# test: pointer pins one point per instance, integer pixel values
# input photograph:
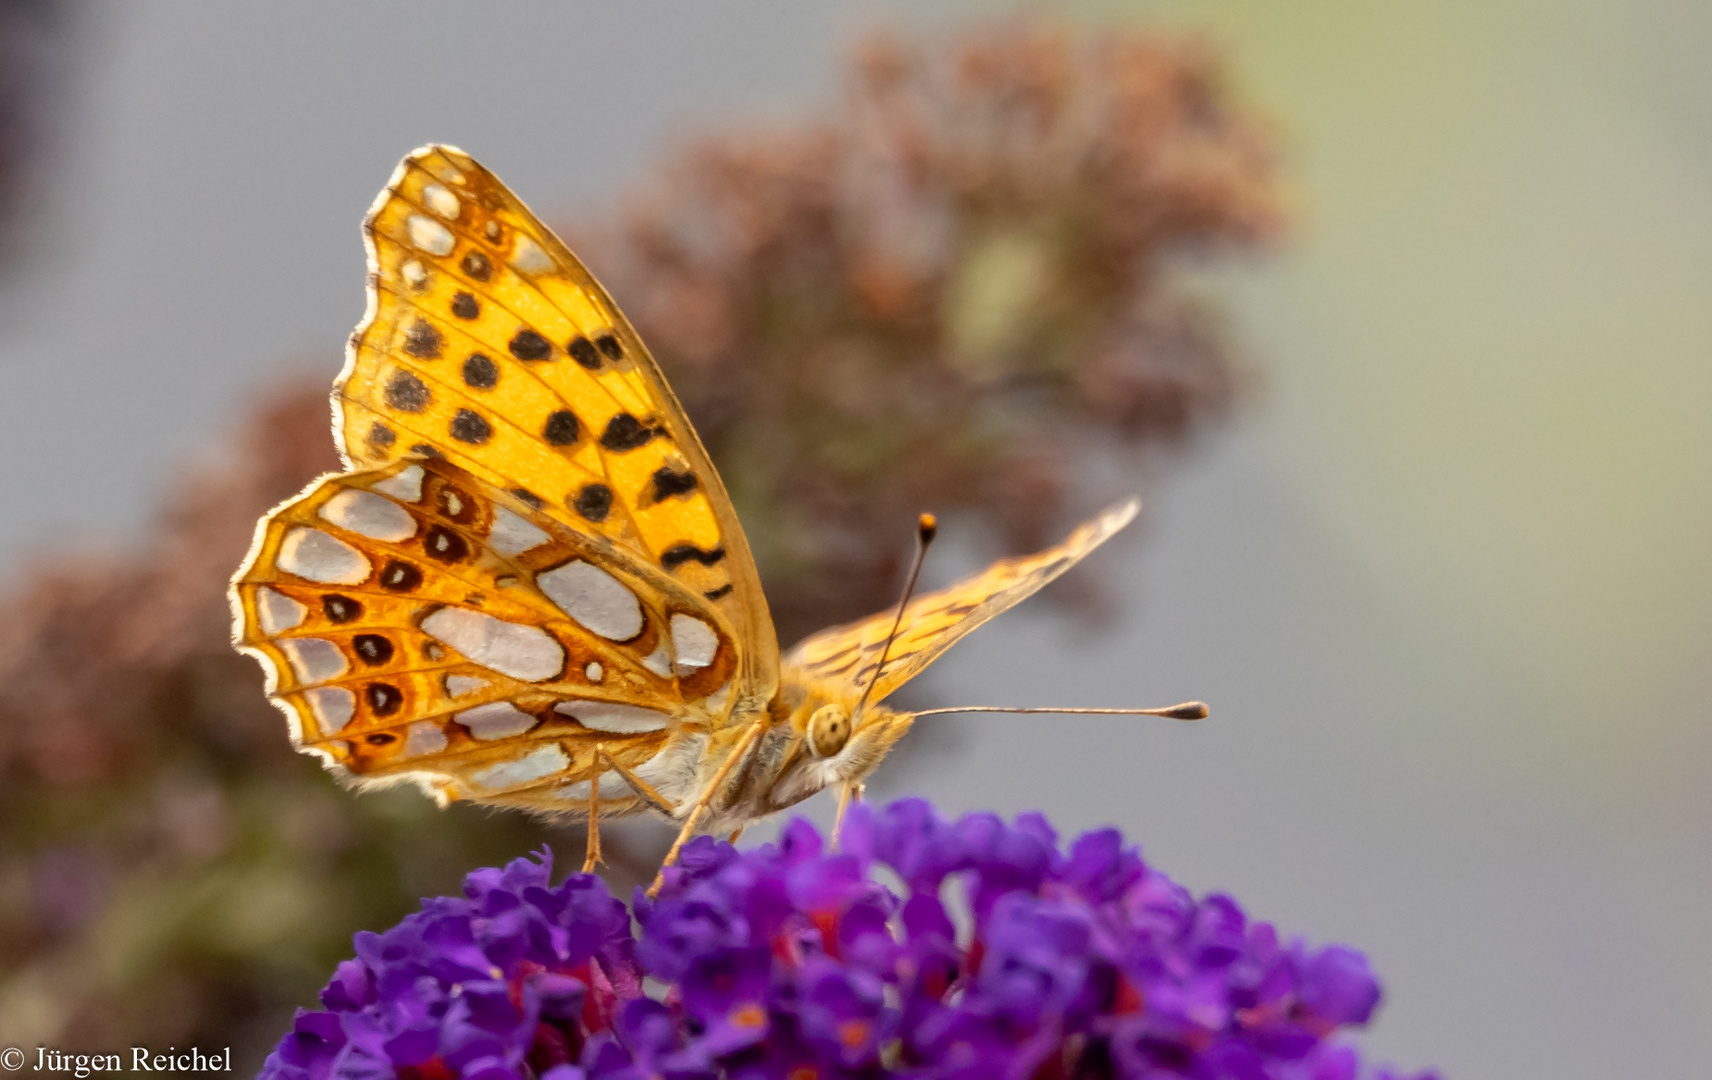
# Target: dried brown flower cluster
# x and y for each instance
(948, 295)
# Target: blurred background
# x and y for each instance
(1399, 315)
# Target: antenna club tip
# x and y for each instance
(1189, 710)
(927, 526)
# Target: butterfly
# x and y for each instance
(529, 587)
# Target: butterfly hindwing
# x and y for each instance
(489, 345)
(417, 622)
(845, 657)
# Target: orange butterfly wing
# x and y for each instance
(419, 624)
(487, 343)
(845, 657)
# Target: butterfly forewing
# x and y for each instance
(489, 345)
(846, 656)
(418, 622)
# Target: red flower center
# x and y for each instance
(748, 1016)
(853, 1033)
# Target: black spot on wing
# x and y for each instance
(423, 449)
(582, 350)
(679, 554)
(384, 699)
(561, 428)
(374, 649)
(444, 545)
(398, 576)
(469, 427)
(668, 482)
(526, 344)
(529, 497)
(340, 609)
(477, 266)
(465, 306)
(406, 393)
(455, 503)
(593, 502)
(610, 346)
(624, 433)
(720, 593)
(423, 341)
(480, 372)
(380, 435)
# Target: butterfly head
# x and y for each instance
(852, 737)
(831, 726)
(853, 743)
(829, 730)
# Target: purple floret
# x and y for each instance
(1004, 956)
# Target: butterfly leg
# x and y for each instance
(850, 792)
(640, 786)
(593, 859)
(735, 833)
(705, 799)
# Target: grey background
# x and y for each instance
(1445, 583)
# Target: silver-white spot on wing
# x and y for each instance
(613, 717)
(333, 707)
(513, 535)
(693, 642)
(368, 514)
(660, 660)
(459, 685)
(425, 737)
(277, 612)
(594, 598)
(414, 273)
(495, 720)
(531, 766)
(404, 485)
(528, 257)
(522, 652)
(314, 659)
(441, 201)
(593, 671)
(429, 235)
(315, 556)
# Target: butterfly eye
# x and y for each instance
(828, 730)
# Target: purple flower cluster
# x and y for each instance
(789, 962)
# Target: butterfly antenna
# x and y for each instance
(1188, 710)
(926, 528)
